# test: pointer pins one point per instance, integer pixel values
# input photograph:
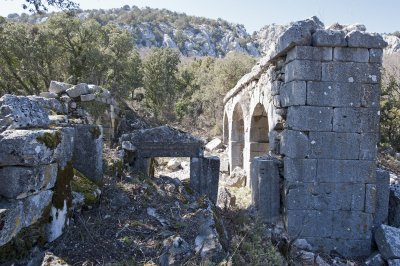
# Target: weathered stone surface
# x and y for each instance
(293, 93)
(20, 112)
(50, 104)
(382, 197)
(63, 153)
(375, 55)
(87, 97)
(29, 147)
(295, 144)
(394, 206)
(345, 247)
(352, 225)
(370, 94)
(388, 240)
(20, 182)
(58, 87)
(348, 54)
(330, 38)
(351, 72)
(176, 250)
(265, 188)
(352, 171)
(173, 165)
(303, 70)
(214, 144)
(88, 148)
(325, 196)
(309, 53)
(15, 215)
(375, 260)
(52, 260)
(368, 146)
(361, 120)
(310, 223)
(237, 178)
(395, 262)
(332, 145)
(226, 200)
(275, 87)
(78, 90)
(47, 94)
(300, 170)
(361, 39)
(334, 94)
(307, 118)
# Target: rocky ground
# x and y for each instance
(139, 220)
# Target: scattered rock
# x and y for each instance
(237, 178)
(375, 260)
(119, 200)
(302, 244)
(78, 90)
(388, 241)
(173, 165)
(153, 213)
(176, 251)
(58, 87)
(225, 199)
(395, 262)
(214, 144)
(320, 262)
(52, 260)
(307, 257)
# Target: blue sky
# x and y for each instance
(379, 16)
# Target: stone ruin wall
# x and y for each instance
(312, 104)
(40, 146)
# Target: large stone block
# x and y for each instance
(293, 93)
(333, 94)
(325, 196)
(368, 146)
(50, 104)
(310, 118)
(265, 188)
(64, 151)
(204, 176)
(20, 112)
(351, 72)
(303, 70)
(58, 87)
(347, 54)
(394, 206)
(351, 171)
(329, 38)
(375, 55)
(370, 94)
(363, 39)
(332, 145)
(382, 197)
(309, 223)
(17, 214)
(352, 225)
(388, 240)
(29, 147)
(88, 149)
(300, 170)
(361, 120)
(295, 144)
(78, 90)
(345, 247)
(20, 182)
(309, 53)
(370, 198)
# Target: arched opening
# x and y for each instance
(225, 136)
(259, 132)
(237, 138)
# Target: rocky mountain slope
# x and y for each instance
(193, 36)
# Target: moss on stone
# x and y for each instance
(50, 140)
(96, 132)
(87, 188)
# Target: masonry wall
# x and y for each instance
(321, 89)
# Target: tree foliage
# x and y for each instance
(42, 5)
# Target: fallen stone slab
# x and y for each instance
(20, 112)
(214, 144)
(78, 90)
(58, 87)
(87, 97)
(375, 260)
(17, 214)
(388, 240)
(47, 94)
(18, 182)
(362, 39)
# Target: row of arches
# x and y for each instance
(255, 144)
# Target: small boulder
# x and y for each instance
(375, 260)
(395, 262)
(78, 90)
(214, 144)
(176, 251)
(173, 165)
(301, 243)
(225, 199)
(394, 206)
(237, 178)
(51, 260)
(388, 240)
(58, 87)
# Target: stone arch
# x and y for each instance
(225, 133)
(237, 137)
(259, 129)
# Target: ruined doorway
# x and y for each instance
(237, 138)
(259, 132)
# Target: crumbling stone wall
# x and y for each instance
(36, 164)
(320, 90)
